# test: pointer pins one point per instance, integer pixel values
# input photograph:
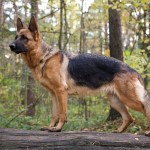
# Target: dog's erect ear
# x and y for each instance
(19, 24)
(33, 27)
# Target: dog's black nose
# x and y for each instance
(12, 46)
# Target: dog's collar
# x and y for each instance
(44, 59)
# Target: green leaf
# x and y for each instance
(106, 7)
(146, 41)
(148, 47)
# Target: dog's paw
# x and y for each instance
(45, 128)
(54, 129)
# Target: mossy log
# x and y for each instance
(73, 140)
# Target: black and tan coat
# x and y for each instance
(64, 74)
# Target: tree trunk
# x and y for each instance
(146, 36)
(15, 12)
(106, 36)
(31, 100)
(1, 23)
(66, 27)
(100, 39)
(115, 45)
(34, 8)
(1, 12)
(115, 34)
(61, 25)
(25, 9)
(81, 48)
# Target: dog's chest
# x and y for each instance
(37, 74)
(44, 81)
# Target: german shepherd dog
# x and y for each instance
(64, 74)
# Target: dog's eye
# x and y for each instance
(16, 37)
(24, 37)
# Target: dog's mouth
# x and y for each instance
(18, 51)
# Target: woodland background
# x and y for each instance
(120, 29)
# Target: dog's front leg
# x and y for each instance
(55, 114)
(61, 95)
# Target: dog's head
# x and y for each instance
(27, 38)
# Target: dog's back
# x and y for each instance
(94, 71)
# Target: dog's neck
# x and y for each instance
(37, 56)
(45, 47)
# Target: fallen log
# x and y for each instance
(73, 140)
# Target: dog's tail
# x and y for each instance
(147, 110)
(146, 100)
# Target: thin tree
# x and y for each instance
(115, 44)
(61, 25)
(34, 8)
(30, 98)
(82, 41)
(1, 12)
(66, 27)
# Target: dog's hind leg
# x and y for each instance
(121, 108)
(134, 95)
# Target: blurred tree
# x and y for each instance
(63, 29)
(1, 12)
(82, 30)
(61, 24)
(31, 99)
(1, 20)
(115, 44)
(34, 8)
(66, 28)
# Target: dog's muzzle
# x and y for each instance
(17, 49)
(12, 46)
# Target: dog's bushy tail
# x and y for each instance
(147, 105)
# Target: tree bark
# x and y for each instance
(66, 27)
(61, 25)
(1, 23)
(34, 8)
(115, 34)
(36, 140)
(25, 9)
(15, 12)
(145, 45)
(81, 48)
(1, 12)
(115, 45)
(30, 100)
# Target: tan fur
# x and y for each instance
(126, 91)
(50, 69)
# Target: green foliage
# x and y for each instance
(136, 60)
(139, 61)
